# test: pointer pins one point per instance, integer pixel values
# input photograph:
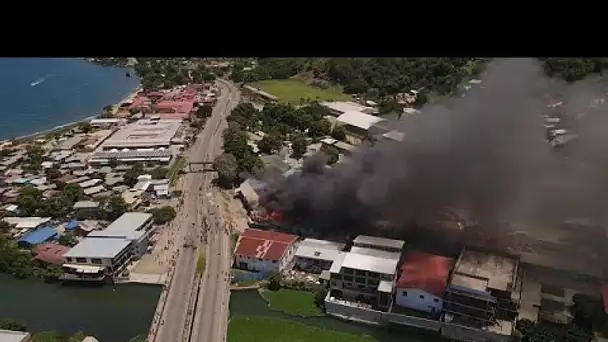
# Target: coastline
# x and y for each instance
(69, 125)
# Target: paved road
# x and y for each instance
(176, 316)
(211, 316)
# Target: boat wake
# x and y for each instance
(40, 80)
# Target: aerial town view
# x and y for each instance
(303, 199)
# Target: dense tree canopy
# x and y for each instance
(226, 166)
(163, 215)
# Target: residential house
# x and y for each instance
(265, 251)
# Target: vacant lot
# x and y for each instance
(293, 90)
(266, 329)
(299, 303)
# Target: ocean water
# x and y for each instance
(37, 94)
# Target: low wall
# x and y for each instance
(413, 321)
(349, 312)
(370, 316)
(448, 330)
(462, 333)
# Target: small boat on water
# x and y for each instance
(128, 75)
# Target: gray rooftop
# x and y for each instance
(126, 226)
(319, 249)
(497, 269)
(14, 336)
(92, 247)
(373, 241)
(144, 133)
(376, 252)
(132, 154)
(368, 263)
(85, 204)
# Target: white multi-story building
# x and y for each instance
(265, 251)
(108, 252)
(368, 272)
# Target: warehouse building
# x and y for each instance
(145, 134)
(360, 123)
(340, 107)
(146, 157)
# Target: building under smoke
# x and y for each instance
(485, 154)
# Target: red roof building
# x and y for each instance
(423, 281)
(264, 250)
(50, 253)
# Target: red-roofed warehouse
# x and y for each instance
(264, 250)
(423, 281)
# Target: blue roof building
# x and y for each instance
(38, 236)
(72, 225)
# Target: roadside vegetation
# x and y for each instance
(278, 123)
(383, 79)
(297, 91)
(201, 262)
(266, 329)
(165, 73)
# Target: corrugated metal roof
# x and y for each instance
(319, 249)
(91, 247)
(39, 235)
(132, 154)
(126, 226)
(426, 272)
(378, 242)
(359, 119)
(370, 263)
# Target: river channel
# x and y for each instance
(249, 303)
(110, 313)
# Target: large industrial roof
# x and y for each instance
(359, 119)
(126, 226)
(347, 106)
(132, 154)
(91, 247)
(144, 133)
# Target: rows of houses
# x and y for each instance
(472, 298)
(178, 103)
(96, 159)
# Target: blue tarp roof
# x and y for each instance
(39, 236)
(72, 225)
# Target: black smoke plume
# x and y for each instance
(484, 156)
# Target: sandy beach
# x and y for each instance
(41, 134)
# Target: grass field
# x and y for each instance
(299, 303)
(266, 329)
(292, 90)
